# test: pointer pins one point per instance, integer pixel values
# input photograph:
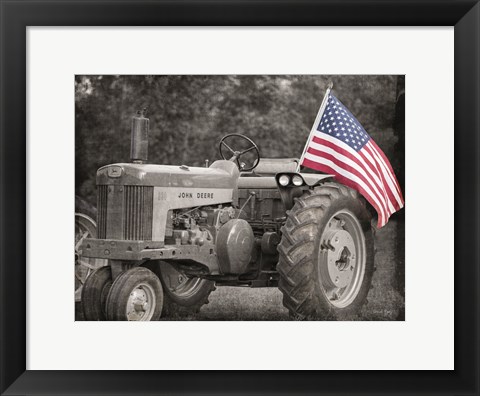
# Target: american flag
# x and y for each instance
(339, 145)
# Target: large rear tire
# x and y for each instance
(135, 295)
(326, 254)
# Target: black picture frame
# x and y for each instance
(17, 15)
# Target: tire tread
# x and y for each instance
(297, 275)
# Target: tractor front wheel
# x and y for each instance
(326, 254)
(135, 295)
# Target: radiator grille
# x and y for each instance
(137, 213)
(102, 211)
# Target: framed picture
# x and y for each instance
(404, 76)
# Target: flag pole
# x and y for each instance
(315, 124)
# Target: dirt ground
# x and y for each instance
(386, 299)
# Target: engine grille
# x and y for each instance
(137, 213)
(102, 194)
(134, 215)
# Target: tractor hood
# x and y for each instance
(221, 174)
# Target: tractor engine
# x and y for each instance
(231, 237)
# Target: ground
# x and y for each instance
(385, 301)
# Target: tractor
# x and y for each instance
(172, 234)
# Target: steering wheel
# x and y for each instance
(237, 154)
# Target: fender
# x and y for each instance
(290, 191)
(314, 179)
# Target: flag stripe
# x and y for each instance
(346, 150)
(357, 182)
(354, 172)
(386, 191)
(347, 182)
(385, 174)
(388, 182)
(357, 158)
(389, 167)
(351, 166)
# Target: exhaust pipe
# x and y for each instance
(139, 144)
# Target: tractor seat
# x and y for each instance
(263, 176)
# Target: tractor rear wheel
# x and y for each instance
(183, 295)
(135, 295)
(85, 227)
(326, 254)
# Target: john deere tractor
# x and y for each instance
(171, 234)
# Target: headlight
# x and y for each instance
(297, 180)
(284, 180)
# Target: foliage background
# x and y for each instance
(189, 114)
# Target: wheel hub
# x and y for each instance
(138, 304)
(340, 257)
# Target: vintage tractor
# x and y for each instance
(172, 233)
